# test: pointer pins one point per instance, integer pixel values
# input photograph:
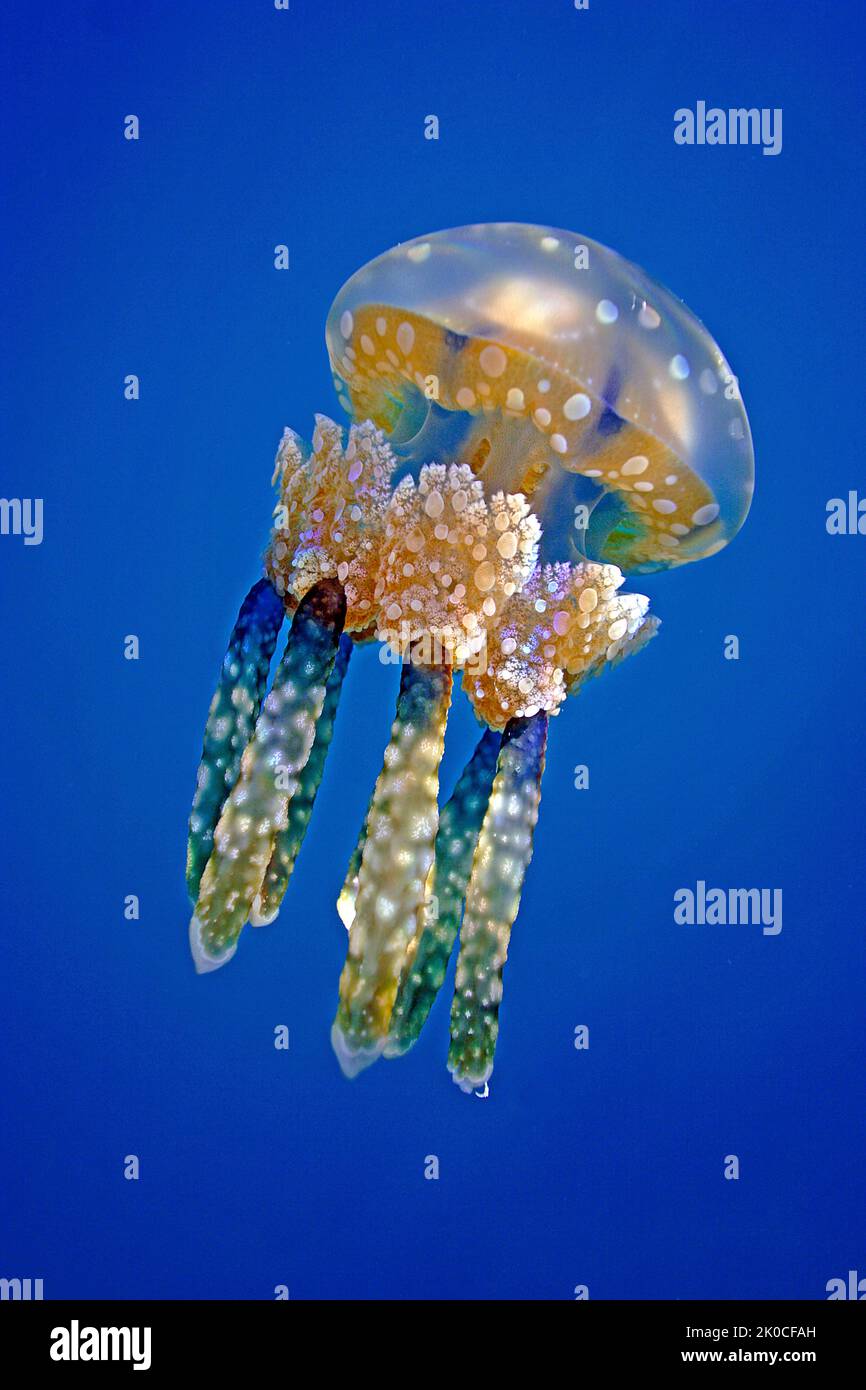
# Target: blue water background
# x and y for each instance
(262, 1167)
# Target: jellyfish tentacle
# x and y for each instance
(349, 891)
(287, 844)
(396, 861)
(231, 720)
(459, 827)
(270, 771)
(502, 856)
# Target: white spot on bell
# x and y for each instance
(405, 338)
(679, 367)
(634, 466)
(577, 407)
(492, 360)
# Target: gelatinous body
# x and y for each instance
(531, 415)
(613, 377)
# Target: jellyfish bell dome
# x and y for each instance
(556, 368)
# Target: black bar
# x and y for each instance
(227, 1337)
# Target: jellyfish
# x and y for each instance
(531, 419)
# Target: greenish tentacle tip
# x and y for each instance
(288, 842)
(231, 719)
(493, 898)
(459, 827)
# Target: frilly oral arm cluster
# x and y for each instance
(451, 576)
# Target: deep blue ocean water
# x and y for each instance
(258, 1167)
